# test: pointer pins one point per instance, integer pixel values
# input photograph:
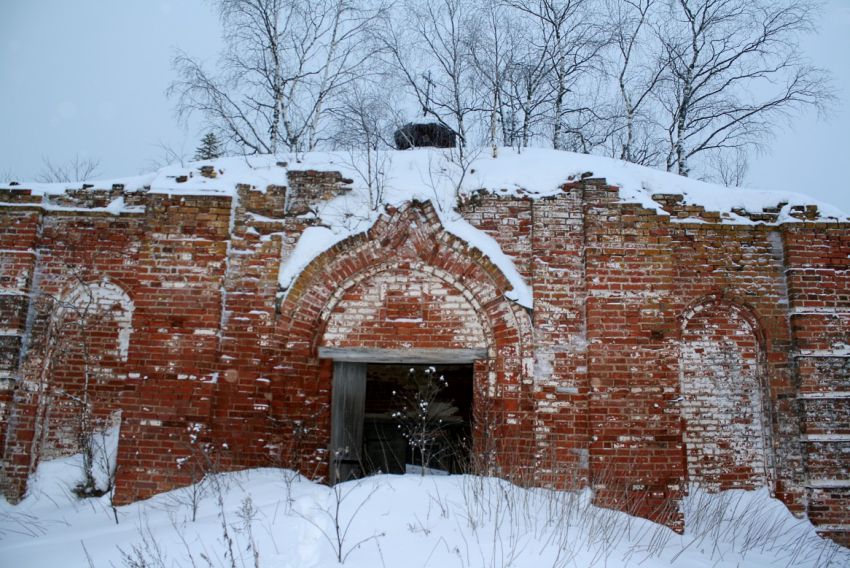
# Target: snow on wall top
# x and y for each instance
(432, 174)
(435, 175)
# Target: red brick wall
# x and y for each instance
(745, 268)
(19, 233)
(175, 346)
(723, 410)
(402, 308)
(818, 276)
(636, 441)
(658, 352)
(69, 252)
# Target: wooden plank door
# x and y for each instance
(348, 406)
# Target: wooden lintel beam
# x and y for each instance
(412, 356)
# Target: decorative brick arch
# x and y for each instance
(90, 335)
(82, 339)
(470, 327)
(733, 303)
(725, 404)
(104, 299)
(410, 244)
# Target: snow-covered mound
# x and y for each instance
(272, 518)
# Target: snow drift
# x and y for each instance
(273, 518)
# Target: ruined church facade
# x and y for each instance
(659, 350)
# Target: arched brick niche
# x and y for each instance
(86, 347)
(77, 355)
(108, 305)
(407, 284)
(724, 403)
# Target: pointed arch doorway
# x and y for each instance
(407, 292)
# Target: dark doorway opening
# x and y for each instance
(400, 418)
(417, 416)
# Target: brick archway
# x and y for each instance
(410, 247)
(725, 397)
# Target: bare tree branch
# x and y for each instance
(77, 169)
(284, 63)
(733, 69)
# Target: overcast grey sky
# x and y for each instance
(88, 77)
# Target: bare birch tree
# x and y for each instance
(168, 154)
(638, 72)
(733, 68)
(284, 62)
(364, 122)
(572, 42)
(526, 91)
(686, 83)
(729, 168)
(429, 48)
(493, 44)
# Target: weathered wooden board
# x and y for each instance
(411, 356)
(348, 406)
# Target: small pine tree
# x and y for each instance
(209, 149)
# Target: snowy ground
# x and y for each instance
(270, 518)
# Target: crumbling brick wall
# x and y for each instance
(818, 276)
(660, 350)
